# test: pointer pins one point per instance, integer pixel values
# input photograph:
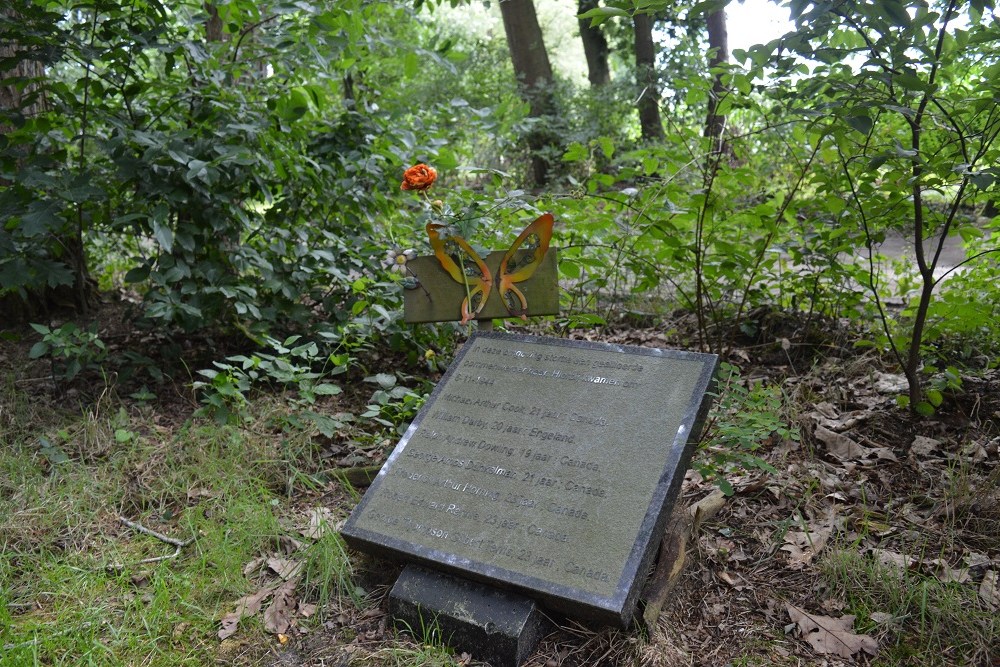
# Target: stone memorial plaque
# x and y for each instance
(542, 465)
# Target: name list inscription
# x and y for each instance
(538, 459)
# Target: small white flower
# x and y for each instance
(395, 260)
(629, 192)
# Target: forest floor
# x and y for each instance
(875, 539)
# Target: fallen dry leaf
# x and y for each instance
(923, 446)
(935, 567)
(797, 558)
(284, 567)
(892, 558)
(989, 590)
(826, 415)
(839, 445)
(278, 616)
(805, 545)
(253, 566)
(831, 635)
(887, 383)
(289, 545)
(884, 453)
(248, 605)
(321, 521)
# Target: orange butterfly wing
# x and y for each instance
(480, 285)
(519, 263)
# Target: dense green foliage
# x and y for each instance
(237, 171)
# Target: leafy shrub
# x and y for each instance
(71, 349)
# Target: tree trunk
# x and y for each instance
(718, 45)
(645, 74)
(213, 26)
(534, 76)
(595, 48)
(12, 95)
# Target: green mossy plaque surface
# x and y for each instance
(544, 465)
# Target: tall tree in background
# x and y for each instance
(645, 68)
(595, 47)
(213, 26)
(718, 46)
(534, 76)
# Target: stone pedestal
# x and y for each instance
(492, 625)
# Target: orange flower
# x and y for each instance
(419, 177)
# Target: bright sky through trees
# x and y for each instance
(755, 22)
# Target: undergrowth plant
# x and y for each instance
(748, 416)
(292, 364)
(70, 349)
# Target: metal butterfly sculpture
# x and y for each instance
(519, 263)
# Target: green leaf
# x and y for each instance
(51, 452)
(136, 275)
(446, 158)
(935, 397)
(707, 7)
(165, 236)
(878, 161)
(587, 320)
(982, 179)
(607, 146)
(969, 233)
(411, 64)
(575, 152)
(326, 389)
(911, 81)
(598, 15)
(797, 7)
(924, 409)
(385, 380)
(41, 218)
(38, 350)
(570, 269)
(895, 11)
(861, 123)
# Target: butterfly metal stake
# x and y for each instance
(459, 282)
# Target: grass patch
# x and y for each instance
(919, 619)
(64, 486)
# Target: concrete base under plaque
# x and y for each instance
(494, 626)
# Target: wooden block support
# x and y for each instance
(442, 300)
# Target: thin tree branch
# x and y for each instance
(964, 262)
(872, 279)
(246, 31)
(138, 527)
